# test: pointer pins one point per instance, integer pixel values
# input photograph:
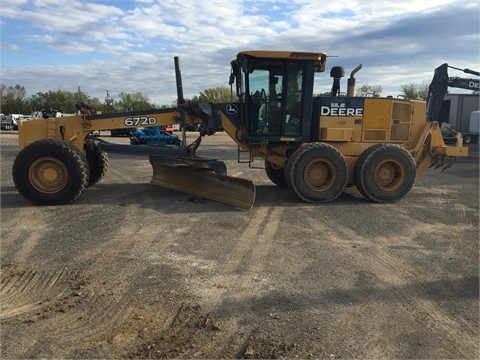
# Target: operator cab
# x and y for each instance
(275, 91)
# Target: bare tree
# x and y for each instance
(373, 90)
(415, 91)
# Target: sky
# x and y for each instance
(129, 46)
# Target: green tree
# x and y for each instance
(366, 89)
(62, 100)
(12, 99)
(80, 97)
(220, 94)
(132, 102)
(415, 91)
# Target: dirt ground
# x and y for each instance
(132, 270)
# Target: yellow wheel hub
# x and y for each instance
(389, 175)
(48, 175)
(319, 175)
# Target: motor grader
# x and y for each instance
(315, 145)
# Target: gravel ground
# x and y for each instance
(132, 270)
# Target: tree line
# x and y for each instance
(14, 100)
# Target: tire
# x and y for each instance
(50, 172)
(317, 173)
(386, 173)
(97, 162)
(275, 174)
(357, 171)
(467, 139)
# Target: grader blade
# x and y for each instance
(204, 183)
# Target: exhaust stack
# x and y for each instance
(351, 82)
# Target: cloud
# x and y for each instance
(129, 46)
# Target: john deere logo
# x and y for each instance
(231, 109)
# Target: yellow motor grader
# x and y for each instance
(314, 145)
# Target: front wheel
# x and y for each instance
(275, 174)
(97, 162)
(50, 172)
(317, 173)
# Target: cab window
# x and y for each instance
(265, 92)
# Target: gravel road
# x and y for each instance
(136, 270)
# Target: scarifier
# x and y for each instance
(315, 145)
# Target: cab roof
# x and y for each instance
(319, 57)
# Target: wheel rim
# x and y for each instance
(48, 175)
(319, 175)
(389, 175)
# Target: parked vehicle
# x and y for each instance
(10, 122)
(120, 132)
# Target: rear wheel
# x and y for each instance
(386, 173)
(50, 172)
(317, 173)
(97, 162)
(357, 171)
(275, 174)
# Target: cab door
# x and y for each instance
(265, 98)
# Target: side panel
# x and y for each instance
(340, 119)
(31, 130)
(377, 120)
(367, 120)
(391, 120)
